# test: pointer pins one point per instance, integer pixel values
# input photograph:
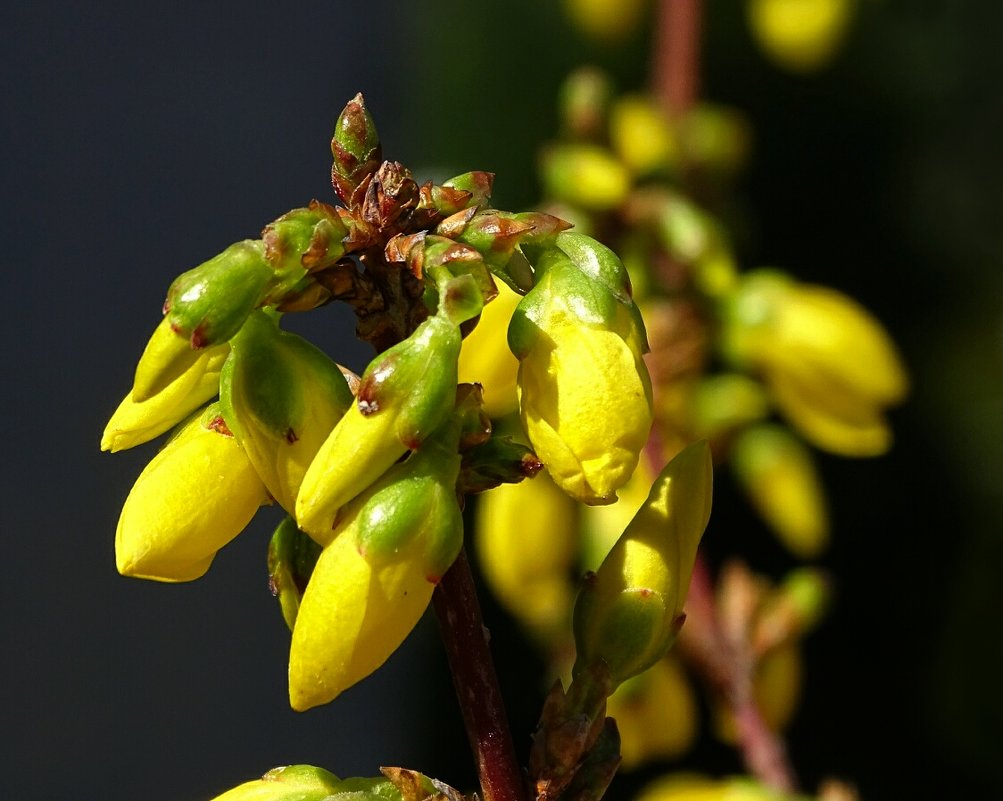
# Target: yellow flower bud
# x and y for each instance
(606, 20)
(800, 35)
(353, 615)
(195, 496)
(585, 175)
(137, 421)
(629, 612)
(829, 365)
(603, 525)
(655, 713)
(527, 541)
(779, 476)
(292, 783)
(485, 358)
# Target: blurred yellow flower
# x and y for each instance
(800, 35)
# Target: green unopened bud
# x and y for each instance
(355, 147)
(208, 305)
(137, 421)
(292, 555)
(585, 175)
(778, 474)
(583, 101)
(584, 393)
(405, 394)
(292, 783)
(629, 612)
(305, 239)
(281, 397)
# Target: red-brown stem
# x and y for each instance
(676, 58)
(466, 642)
(729, 667)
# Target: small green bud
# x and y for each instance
(292, 783)
(291, 559)
(405, 394)
(629, 612)
(209, 304)
(356, 149)
(281, 397)
(305, 239)
(584, 101)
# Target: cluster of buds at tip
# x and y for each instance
(371, 471)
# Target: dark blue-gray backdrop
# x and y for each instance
(139, 140)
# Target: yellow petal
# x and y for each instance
(485, 357)
(351, 618)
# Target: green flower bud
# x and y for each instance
(292, 783)
(281, 397)
(584, 99)
(292, 556)
(584, 393)
(356, 149)
(195, 496)
(135, 422)
(305, 239)
(629, 612)
(208, 305)
(405, 394)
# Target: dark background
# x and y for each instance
(139, 142)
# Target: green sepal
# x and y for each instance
(500, 460)
(281, 396)
(208, 304)
(477, 183)
(414, 511)
(292, 555)
(415, 380)
(290, 783)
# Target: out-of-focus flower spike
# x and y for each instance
(195, 496)
(356, 150)
(778, 474)
(207, 305)
(630, 610)
(477, 183)
(291, 783)
(135, 422)
(405, 394)
(281, 397)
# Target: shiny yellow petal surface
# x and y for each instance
(134, 423)
(196, 495)
(586, 406)
(352, 617)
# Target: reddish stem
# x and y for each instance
(676, 57)
(466, 642)
(729, 667)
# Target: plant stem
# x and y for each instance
(466, 643)
(676, 58)
(729, 667)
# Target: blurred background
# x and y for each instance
(139, 141)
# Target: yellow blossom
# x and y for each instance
(801, 35)
(195, 496)
(485, 358)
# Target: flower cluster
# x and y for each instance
(371, 470)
